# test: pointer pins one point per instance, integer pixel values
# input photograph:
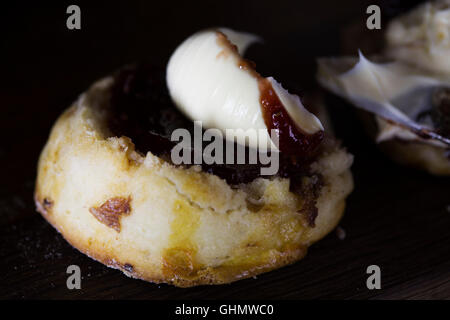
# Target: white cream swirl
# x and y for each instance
(422, 37)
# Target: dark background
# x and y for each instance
(397, 218)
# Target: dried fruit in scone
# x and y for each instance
(107, 182)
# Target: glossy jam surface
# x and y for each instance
(292, 140)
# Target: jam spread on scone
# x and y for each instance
(142, 110)
(208, 80)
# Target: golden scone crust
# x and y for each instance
(162, 223)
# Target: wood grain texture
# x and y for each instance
(396, 218)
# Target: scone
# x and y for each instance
(405, 87)
(107, 182)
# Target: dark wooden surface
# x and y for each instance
(396, 218)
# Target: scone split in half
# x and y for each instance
(107, 183)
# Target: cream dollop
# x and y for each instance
(395, 92)
(209, 81)
(422, 37)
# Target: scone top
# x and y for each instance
(210, 81)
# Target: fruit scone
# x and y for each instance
(404, 89)
(109, 183)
